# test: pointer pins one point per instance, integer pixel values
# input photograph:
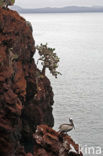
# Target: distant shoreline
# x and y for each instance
(68, 9)
(58, 12)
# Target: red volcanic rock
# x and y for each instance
(52, 143)
(29, 154)
(26, 97)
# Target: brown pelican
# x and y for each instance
(66, 127)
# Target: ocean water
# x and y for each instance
(78, 39)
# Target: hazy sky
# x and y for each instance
(56, 3)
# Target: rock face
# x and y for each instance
(26, 96)
(52, 143)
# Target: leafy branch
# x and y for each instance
(48, 59)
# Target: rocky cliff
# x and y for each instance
(26, 96)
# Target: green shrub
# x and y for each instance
(48, 59)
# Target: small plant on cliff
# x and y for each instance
(48, 59)
(6, 3)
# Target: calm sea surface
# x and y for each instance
(78, 39)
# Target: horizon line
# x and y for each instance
(82, 6)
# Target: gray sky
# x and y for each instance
(56, 3)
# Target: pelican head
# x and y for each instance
(71, 121)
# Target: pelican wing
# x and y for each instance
(65, 127)
(61, 126)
